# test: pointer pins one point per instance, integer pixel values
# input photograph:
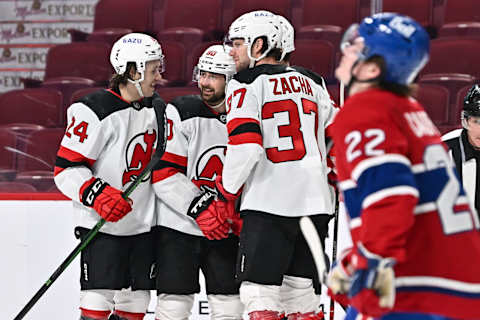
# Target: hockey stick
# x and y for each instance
(93, 232)
(313, 240)
(334, 247)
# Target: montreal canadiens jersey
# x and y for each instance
(196, 145)
(109, 138)
(404, 200)
(277, 118)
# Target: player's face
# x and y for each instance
(212, 87)
(152, 77)
(239, 54)
(350, 56)
(474, 131)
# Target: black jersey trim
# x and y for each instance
(64, 163)
(249, 75)
(311, 74)
(192, 106)
(162, 164)
(246, 127)
(103, 103)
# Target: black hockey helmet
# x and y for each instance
(471, 102)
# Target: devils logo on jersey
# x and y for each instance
(138, 154)
(208, 166)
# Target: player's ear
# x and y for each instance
(133, 74)
(257, 47)
(369, 70)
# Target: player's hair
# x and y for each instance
(287, 57)
(122, 79)
(396, 88)
(275, 53)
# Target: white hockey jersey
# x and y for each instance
(277, 118)
(196, 145)
(109, 138)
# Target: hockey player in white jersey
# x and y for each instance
(110, 138)
(288, 48)
(276, 159)
(187, 239)
(464, 145)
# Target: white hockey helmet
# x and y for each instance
(138, 48)
(288, 36)
(215, 60)
(252, 25)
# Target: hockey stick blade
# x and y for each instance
(313, 241)
(162, 121)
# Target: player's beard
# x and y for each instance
(212, 99)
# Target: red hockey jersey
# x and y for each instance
(405, 201)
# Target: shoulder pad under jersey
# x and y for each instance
(192, 106)
(103, 103)
(249, 75)
(311, 74)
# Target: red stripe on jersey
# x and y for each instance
(72, 156)
(233, 124)
(175, 158)
(247, 137)
(129, 315)
(162, 174)
(84, 186)
(450, 306)
(95, 314)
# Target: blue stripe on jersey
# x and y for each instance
(352, 314)
(431, 184)
(451, 292)
(374, 179)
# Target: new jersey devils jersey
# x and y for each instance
(405, 201)
(276, 124)
(196, 145)
(109, 138)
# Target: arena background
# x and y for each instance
(36, 230)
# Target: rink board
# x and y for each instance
(36, 236)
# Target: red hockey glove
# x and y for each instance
(224, 194)
(203, 209)
(227, 206)
(106, 200)
(372, 290)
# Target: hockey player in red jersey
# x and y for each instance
(187, 239)
(276, 159)
(416, 240)
(110, 138)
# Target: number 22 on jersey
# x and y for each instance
(436, 163)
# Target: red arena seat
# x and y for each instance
(201, 22)
(170, 93)
(79, 59)
(39, 106)
(316, 55)
(435, 100)
(464, 51)
(461, 11)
